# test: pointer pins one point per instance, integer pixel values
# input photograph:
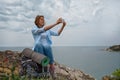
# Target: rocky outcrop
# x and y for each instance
(114, 48)
(9, 58)
(71, 74)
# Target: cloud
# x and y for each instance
(92, 18)
(21, 11)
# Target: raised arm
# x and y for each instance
(61, 29)
(53, 25)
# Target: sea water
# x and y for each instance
(93, 60)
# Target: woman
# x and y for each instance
(42, 36)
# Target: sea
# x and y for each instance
(92, 60)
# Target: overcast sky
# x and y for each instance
(89, 22)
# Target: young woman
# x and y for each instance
(42, 36)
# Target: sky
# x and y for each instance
(89, 22)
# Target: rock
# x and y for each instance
(9, 58)
(106, 77)
(110, 77)
(114, 48)
(71, 74)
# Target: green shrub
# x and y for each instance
(116, 73)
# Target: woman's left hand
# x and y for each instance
(59, 21)
(64, 23)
